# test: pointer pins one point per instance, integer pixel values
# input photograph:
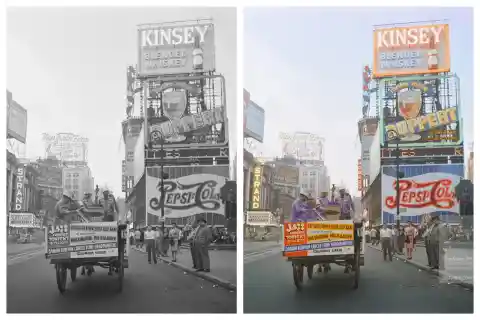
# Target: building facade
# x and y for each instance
(470, 175)
(77, 181)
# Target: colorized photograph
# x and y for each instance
(358, 160)
(121, 187)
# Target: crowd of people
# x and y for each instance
(159, 240)
(394, 240)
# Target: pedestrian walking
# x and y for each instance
(386, 240)
(193, 252)
(395, 240)
(150, 242)
(142, 238)
(138, 236)
(367, 235)
(202, 240)
(159, 241)
(401, 240)
(174, 236)
(410, 233)
(373, 236)
(426, 239)
(438, 236)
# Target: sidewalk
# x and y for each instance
(458, 264)
(16, 249)
(223, 264)
(259, 246)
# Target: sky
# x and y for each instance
(67, 67)
(304, 67)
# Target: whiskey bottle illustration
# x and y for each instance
(432, 54)
(197, 54)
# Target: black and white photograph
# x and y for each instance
(121, 184)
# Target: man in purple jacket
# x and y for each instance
(301, 211)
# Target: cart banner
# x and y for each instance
(424, 189)
(22, 220)
(174, 48)
(318, 238)
(83, 240)
(185, 196)
(411, 50)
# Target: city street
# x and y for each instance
(160, 288)
(385, 287)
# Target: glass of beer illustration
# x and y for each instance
(409, 103)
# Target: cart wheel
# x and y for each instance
(310, 272)
(61, 273)
(73, 274)
(298, 275)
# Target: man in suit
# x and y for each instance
(202, 240)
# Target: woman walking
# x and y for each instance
(174, 236)
(410, 239)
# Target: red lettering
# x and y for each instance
(414, 194)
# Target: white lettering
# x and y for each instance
(172, 36)
(409, 37)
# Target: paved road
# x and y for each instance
(31, 288)
(385, 287)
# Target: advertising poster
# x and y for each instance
(411, 50)
(16, 120)
(302, 145)
(255, 121)
(285, 174)
(359, 175)
(174, 48)
(22, 220)
(186, 196)
(131, 133)
(67, 147)
(318, 238)
(82, 240)
(429, 114)
(425, 189)
(260, 218)
(256, 193)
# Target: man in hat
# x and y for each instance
(301, 210)
(191, 238)
(346, 205)
(438, 236)
(203, 238)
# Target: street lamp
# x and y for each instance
(394, 136)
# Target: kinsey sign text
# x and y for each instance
(411, 50)
(176, 49)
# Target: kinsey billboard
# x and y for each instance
(16, 120)
(411, 50)
(285, 174)
(186, 196)
(254, 121)
(68, 147)
(422, 119)
(424, 189)
(256, 192)
(174, 48)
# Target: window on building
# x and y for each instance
(305, 173)
(313, 173)
(304, 185)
